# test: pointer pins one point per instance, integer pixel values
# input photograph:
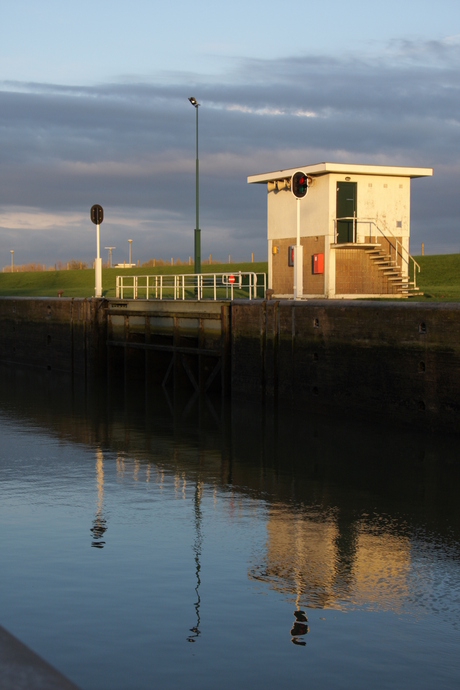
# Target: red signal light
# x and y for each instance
(299, 184)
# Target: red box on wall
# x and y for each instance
(318, 263)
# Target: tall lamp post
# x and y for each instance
(196, 105)
(11, 252)
(129, 262)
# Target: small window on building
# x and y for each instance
(385, 186)
(399, 223)
(370, 184)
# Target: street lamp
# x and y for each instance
(11, 252)
(129, 262)
(195, 104)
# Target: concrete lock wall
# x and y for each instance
(360, 359)
(57, 334)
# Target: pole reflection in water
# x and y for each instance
(330, 556)
(99, 523)
(300, 628)
(197, 551)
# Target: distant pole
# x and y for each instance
(109, 249)
(423, 249)
(130, 242)
(11, 252)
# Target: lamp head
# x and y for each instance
(194, 102)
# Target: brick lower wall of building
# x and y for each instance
(356, 274)
(283, 274)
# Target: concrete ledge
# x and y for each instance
(22, 669)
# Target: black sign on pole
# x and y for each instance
(97, 214)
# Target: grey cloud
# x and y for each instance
(401, 108)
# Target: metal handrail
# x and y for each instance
(192, 286)
(398, 246)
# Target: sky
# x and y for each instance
(94, 109)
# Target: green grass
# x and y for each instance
(439, 278)
(81, 283)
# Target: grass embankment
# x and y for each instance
(439, 277)
(81, 283)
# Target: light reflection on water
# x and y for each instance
(146, 543)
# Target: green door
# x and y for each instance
(346, 208)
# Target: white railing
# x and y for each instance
(393, 241)
(192, 286)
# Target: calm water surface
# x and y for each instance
(151, 542)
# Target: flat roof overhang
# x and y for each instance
(341, 168)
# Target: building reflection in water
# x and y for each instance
(334, 562)
(99, 523)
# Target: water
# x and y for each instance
(150, 542)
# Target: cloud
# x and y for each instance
(131, 147)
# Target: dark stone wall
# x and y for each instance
(57, 334)
(370, 360)
(366, 360)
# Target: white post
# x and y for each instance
(298, 260)
(98, 266)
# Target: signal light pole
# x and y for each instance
(197, 239)
(299, 188)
